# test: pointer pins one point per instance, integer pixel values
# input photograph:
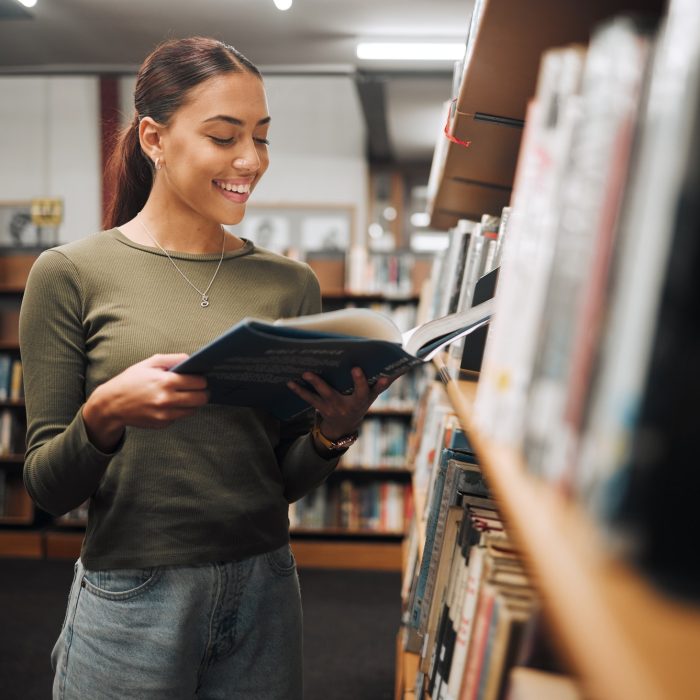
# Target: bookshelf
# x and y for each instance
(19, 534)
(365, 499)
(622, 630)
(626, 639)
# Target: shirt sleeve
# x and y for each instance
(303, 469)
(62, 467)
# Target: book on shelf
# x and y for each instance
(576, 297)
(438, 649)
(381, 444)
(453, 477)
(11, 381)
(5, 376)
(12, 433)
(251, 363)
(3, 491)
(635, 471)
(376, 507)
(466, 363)
(552, 117)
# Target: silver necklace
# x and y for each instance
(205, 299)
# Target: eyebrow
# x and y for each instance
(234, 120)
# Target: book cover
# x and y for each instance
(445, 559)
(461, 477)
(252, 362)
(612, 86)
(506, 634)
(637, 456)
(510, 349)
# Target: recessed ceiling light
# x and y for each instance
(410, 51)
(283, 4)
(28, 3)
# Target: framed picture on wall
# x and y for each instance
(271, 231)
(298, 229)
(16, 227)
(325, 233)
(31, 223)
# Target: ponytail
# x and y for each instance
(162, 86)
(131, 173)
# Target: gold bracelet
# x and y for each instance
(339, 444)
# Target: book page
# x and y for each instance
(364, 323)
(424, 341)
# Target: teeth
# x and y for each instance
(241, 188)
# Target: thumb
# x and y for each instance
(165, 361)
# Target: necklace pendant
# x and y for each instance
(205, 301)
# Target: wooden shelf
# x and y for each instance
(16, 543)
(625, 638)
(389, 412)
(498, 81)
(329, 554)
(63, 544)
(346, 532)
(12, 403)
(376, 470)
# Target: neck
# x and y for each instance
(178, 231)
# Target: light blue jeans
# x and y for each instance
(217, 631)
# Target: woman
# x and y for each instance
(186, 586)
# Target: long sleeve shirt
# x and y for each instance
(214, 486)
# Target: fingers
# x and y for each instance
(322, 388)
(308, 396)
(362, 390)
(180, 382)
(164, 361)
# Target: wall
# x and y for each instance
(49, 146)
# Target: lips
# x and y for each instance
(233, 191)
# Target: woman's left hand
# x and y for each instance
(341, 413)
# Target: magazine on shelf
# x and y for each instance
(252, 362)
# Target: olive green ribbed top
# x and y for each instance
(211, 487)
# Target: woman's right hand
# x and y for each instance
(144, 395)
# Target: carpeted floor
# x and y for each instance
(351, 619)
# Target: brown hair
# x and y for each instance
(162, 85)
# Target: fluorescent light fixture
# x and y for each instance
(283, 4)
(410, 51)
(28, 3)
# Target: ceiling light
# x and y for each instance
(283, 4)
(405, 51)
(28, 3)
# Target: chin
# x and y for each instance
(234, 218)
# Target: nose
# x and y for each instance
(249, 161)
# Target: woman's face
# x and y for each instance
(215, 146)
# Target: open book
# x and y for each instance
(251, 363)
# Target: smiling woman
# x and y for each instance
(186, 585)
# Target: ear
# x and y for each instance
(151, 138)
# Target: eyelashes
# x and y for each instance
(231, 141)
